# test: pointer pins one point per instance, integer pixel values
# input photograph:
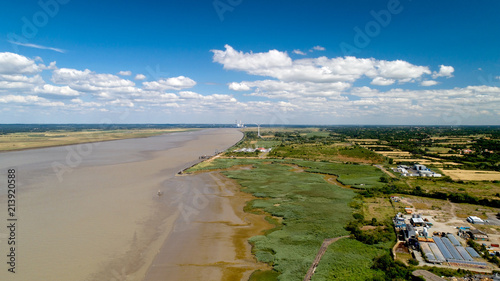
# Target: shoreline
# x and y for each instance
(99, 141)
(211, 244)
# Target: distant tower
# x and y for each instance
(239, 124)
(258, 131)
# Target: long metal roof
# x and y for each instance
(453, 239)
(464, 253)
(446, 253)
(472, 252)
(452, 249)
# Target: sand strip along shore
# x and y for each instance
(103, 219)
(210, 237)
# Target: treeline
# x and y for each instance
(417, 191)
(391, 133)
(481, 249)
(485, 153)
(393, 270)
(23, 128)
(302, 137)
(381, 232)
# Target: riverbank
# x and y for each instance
(209, 240)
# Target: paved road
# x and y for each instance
(428, 275)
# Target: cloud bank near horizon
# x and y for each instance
(279, 89)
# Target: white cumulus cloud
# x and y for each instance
(235, 86)
(279, 65)
(299, 52)
(258, 63)
(444, 71)
(19, 82)
(28, 100)
(381, 81)
(318, 48)
(429, 83)
(173, 83)
(51, 90)
(105, 86)
(11, 63)
(399, 69)
(296, 90)
(140, 77)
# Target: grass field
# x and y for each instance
(359, 176)
(223, 163)
(379, 208)
(312, 210)
(348, 259)
(482, 189)
(19, 141)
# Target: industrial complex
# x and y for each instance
(443, 244)
(417, 170)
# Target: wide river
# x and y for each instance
(92, 212)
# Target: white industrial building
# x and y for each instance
(475, 220)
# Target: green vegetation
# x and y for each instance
(312, 210)
(348, 259)
(376, 232)
(357, 176)
(483, 251)
(222, 163)
(268, 275)
(397, 187)
(323, 150)
(480, 189)
(474, 147)
(308, 144)
(392, 270)
(441, 271)
(295, 184)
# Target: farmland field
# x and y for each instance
(472, 175)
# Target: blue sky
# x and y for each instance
(274, 62)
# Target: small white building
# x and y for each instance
(417, 220)
(475, 220)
